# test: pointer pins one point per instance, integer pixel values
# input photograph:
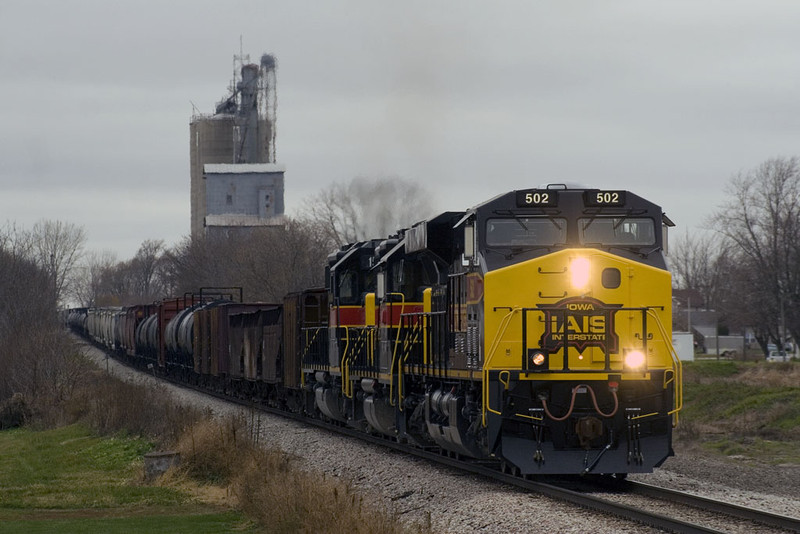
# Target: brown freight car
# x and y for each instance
(235, 341)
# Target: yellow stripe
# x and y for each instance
(369, 309)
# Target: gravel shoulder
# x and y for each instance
(452, 501)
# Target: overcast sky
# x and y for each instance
(474, 98)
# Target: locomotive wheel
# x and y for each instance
(509, 468)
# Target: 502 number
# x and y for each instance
(537, 198)
(607, 197)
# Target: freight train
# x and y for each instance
(534, 330)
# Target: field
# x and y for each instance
(68, 480)
(747, 410)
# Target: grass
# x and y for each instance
(173, 524)
(743, 409)
(755, 449)
(69, 480)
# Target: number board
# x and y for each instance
(604, 198)
(537, 197)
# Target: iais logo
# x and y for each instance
(580, 322)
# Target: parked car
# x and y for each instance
(778, 356)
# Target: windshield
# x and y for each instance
(526, 231)
(625, 231)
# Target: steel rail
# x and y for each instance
(703, 503)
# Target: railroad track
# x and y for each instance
(592, 494)
(744, 518)
(748, 514)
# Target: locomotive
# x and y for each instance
(533, 330)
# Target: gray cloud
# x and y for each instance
(666, 98)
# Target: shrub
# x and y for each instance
(212, 450)
(14, 412)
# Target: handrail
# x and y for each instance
(495, 343)
(362, 335)
(407, 343)
(370, 330)
(305, 352)
(346, 388)
(396, 342)
(363, 344)
(425, 322)
(677, 367)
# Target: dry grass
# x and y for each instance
(212, 450)
(110, 405)
(218, 496)
(271, 488)
(290, 500)
(772, 374)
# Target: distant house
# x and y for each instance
(687, 299)
(689, 316)
(704, 326)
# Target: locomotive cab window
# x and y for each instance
(406, 277)
(348, 288)
(526, 231)
(622, 231)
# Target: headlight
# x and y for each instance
(537, 360)
(579, 272)
(635, 360)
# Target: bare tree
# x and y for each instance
(32, 351)
(267, 263)
(695, 265)
(57, 247)
(16, 242)
(144, 270)
(742, 298)
(365, 208)
(761, 221)
(117, 284)
(209, 261)
(88, 281)
(103, 281)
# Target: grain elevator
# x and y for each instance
(236, 183)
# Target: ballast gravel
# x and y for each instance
(455, 502)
